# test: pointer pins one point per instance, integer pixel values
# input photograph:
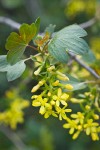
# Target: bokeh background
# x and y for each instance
(37, 133)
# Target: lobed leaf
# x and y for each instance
(16, 43)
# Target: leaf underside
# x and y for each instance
(13, 71)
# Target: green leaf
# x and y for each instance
(77, 85)
(16, 43)
(13, 71)
(68, 39)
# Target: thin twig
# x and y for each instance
(13, 137)
(16, 25)
(32, 47)
(9, 22)
(92, 82)
(83, 25)
(88, 23)
(80, 62)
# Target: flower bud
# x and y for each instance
(62, 76)
(49, 94)
(95, 116)
(68, 86)
(56, 83)
(41, 82)
(51, 68)
(38, 71)
(35, 88)
(74, 100)
(87, 107)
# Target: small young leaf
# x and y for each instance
(37, 24)
(50, 29)
(68, 39)
(16, 43)
(14, 71)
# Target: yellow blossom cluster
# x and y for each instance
(52, 100)
(86, 121)
(75, 7)
(14, 113)
(79, 122)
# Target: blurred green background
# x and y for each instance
(36, 132)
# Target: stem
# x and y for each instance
(88, 23)
(27, 59)
(32, 47)
(92, 82)
(37, 54)
(9, 22)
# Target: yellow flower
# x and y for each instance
(62, 112)
(42, 102)
(79, 117)
(50, 112)
(60, 97)
(72, 125)
(91, 128)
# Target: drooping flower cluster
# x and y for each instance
(79, 123)
(87, 121)
(52, 100)
(14, 114)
